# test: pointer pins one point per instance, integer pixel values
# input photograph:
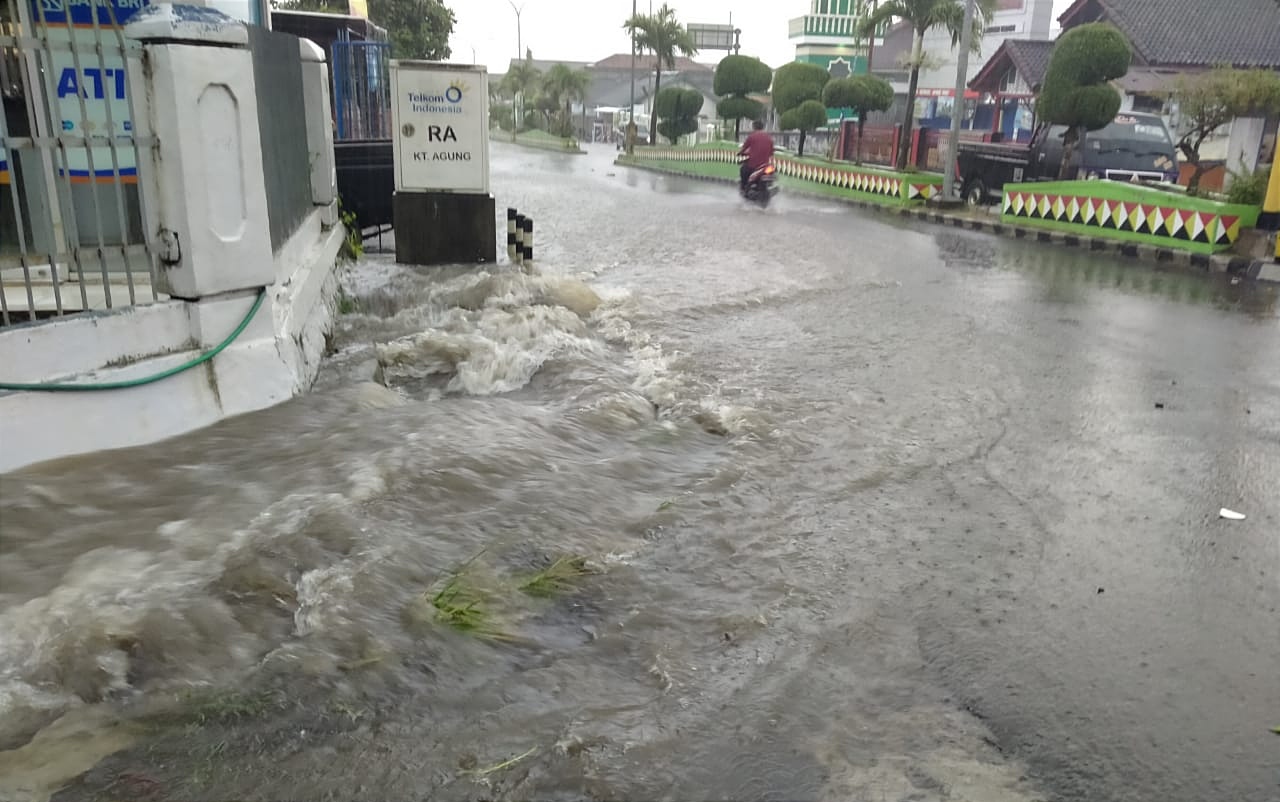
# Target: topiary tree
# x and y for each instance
(1076, 92)
(795, 85)
(737, 77)
(677, 109)
(1208, 101)
(808, 116)
(864, 94)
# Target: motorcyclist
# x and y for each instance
(756, 152)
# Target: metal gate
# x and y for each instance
(72, 211)
(362, 90)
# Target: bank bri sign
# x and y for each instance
(80, 13)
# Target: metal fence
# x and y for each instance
(282, 125)
(361, 90)
(72, 236)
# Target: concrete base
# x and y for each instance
(276, 357)
(436, 228)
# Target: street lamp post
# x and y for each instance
(519, 38)
(631, 112)
(958, 105)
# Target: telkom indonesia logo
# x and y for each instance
(455, 91)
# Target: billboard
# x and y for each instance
(440, 121)
(713, 37)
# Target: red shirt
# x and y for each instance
(759, 149)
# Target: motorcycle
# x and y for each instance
(762, 185)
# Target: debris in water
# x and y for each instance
(499, 767)
(556, 578)
(1159, 405)
(1102, 590)
(1230, 515)
(1276, 730)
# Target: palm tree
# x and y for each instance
(520, 79)
(566, 86)
(664, 36)
(922, 15)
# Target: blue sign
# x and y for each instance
(80, 13)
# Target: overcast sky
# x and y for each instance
(590, 30)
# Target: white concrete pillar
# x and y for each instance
(211, 204)
(1244, 145)
(319, 111)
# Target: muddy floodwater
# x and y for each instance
(810, 504)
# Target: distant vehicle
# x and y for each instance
(642, 136)
(1133, 147)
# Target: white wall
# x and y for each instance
(206, 181)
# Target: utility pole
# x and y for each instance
(519, 38)
(631, 112)
(517, 102)
(957, 108)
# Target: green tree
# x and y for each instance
(664, 36)
(798, 85)
(1076, 91)
(566, 85)
(678, 108)
(922, 15)
(808, 116)
(862, 93)
(417, 28)
(521, 82)
(737, 77)
(1208, 101)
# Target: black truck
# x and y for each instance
(1133, 147)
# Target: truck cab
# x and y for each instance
(1132, 147)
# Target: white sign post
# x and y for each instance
(440, 120)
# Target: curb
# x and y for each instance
(1160, 257)
(544, 146)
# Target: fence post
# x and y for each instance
(315, 95)
(511, 235)
(519, 238)
(528, 241)
(214, 234)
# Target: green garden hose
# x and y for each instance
(71, 387)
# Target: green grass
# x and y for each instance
(346, 304)
(461, 604)
(556, 578)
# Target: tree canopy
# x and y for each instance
(1076, 91)
(678, 109)
(1208, 101)
(737, 77)
(862, 93)
(563, 86)
(661, 34)
(417, 28)
(797, 82)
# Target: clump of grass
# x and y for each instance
(228, 706)
(461, 604)
(346, 304)
(556, 578)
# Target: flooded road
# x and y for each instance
(805, 505)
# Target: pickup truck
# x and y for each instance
(1133, 147)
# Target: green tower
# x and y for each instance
(828, 36)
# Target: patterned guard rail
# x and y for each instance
(864, 183)
(1116, 210)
